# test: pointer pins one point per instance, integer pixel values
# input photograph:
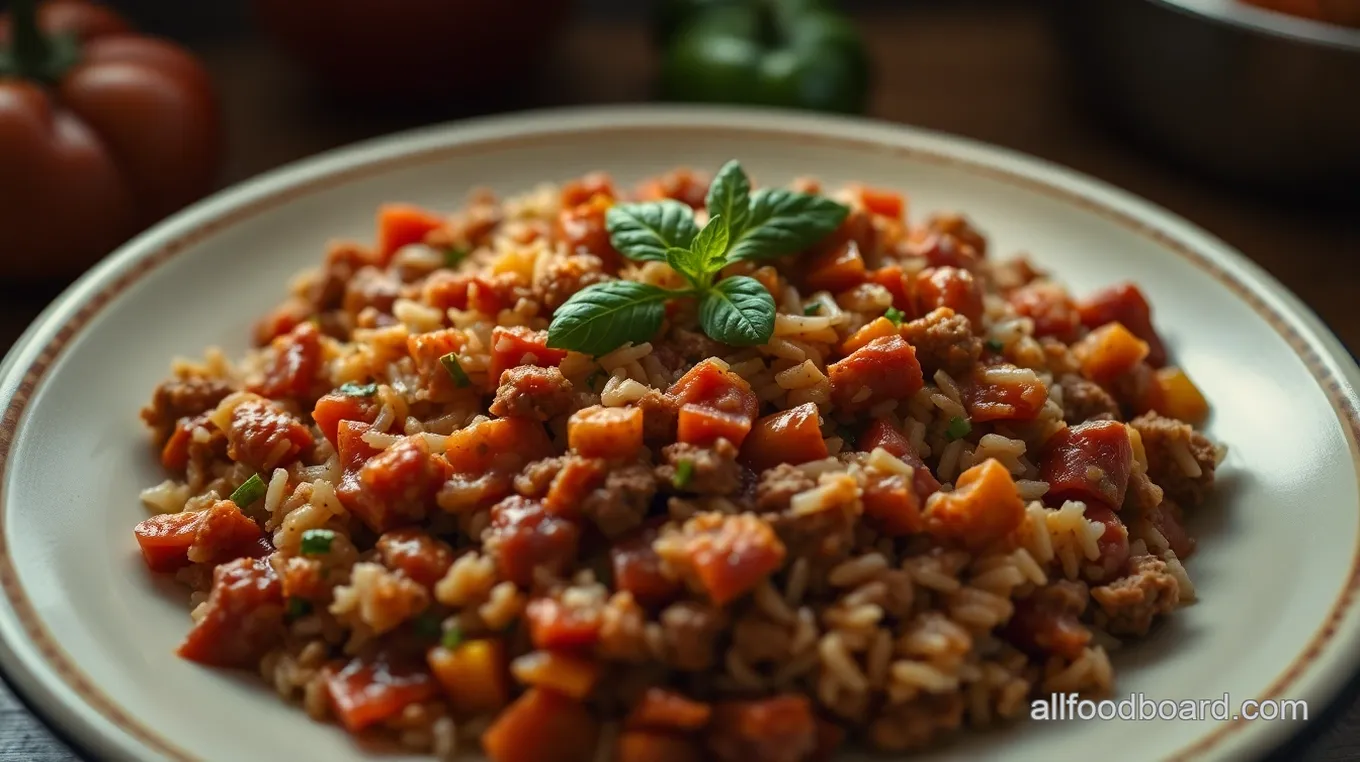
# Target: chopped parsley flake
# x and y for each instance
(455, 371)
(684, 473)
(895, 316)
(352, 389)
(317, 542)
(958, 428)
(252, 490)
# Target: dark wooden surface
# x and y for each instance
(990, 75)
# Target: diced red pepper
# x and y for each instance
(515, 346)
(1090, 462)
(367, 692)
(637, 570)
(950, 287)
(401, 225)
(881, 370)
(542, 726)
(331, 409)
(1011, 400)
(1050, 307)
(522, 537)
(780, 728)
(791, 436)
(1125, 304)
(836, 269)
(556, 626)
(243, 619)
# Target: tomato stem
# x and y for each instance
(29, 48)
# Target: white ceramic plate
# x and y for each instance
(87, 634)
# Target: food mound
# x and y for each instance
(696, 471)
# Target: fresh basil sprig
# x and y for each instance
(742, 225)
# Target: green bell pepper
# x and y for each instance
(791, 53)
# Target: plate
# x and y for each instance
(87, 635)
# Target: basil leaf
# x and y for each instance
(645, 231)
(603, 316)
(688, 263)
(738, 311)
(729, 197)
(710, 246)
(783, 222)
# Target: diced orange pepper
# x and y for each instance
(884, 203)
(571, 676)
(790, 436)
(474, 675)
(892, 506)
(331, 409)
(663, 710)
(554, 626)
(883, 369)
(577, 192)
(401, 225)
(701, 425)
(711, 384)
(1020, 400)
(1109, 352)
(727, 555)
(898, 284)
(606, 432)
(571, 485)
(515, 346)
(643, 746)
(175, 451)
(502, 443)
(951, 287)
(877, 328)
(837, 269)
(1125, 304)
(983, 507)
(542, 726)
(1176, 396)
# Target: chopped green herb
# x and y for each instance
(427, 625)
(895, 316)
(811, 309)
(684, 472)
(352, 389)
(455, 254)
(317, 542)
(958, 428)
(298, 608)
(848, 436)
(995, 346)
(455, 371)
(453, 637)
(253, 489)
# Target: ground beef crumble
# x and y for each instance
(1132, 602)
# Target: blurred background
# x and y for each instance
(1243, 119)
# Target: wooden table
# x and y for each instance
(991, 75)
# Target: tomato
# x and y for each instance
(790, 436)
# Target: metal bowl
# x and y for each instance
(1249, 95)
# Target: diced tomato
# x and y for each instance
(1050, 307)
(458, 290)
(401, 225)
(950, 287)
(522, 537)
(791, 436)
(1113, 542)
(554, 625)
(881, 433)
(572, 676)
(222, 533)
(663, 710)
(892, 506)
(682, 185)
(542, 726)
(645, 746)
(779, 728)
(1009, 399)
(1125, 304)
(582, 229)
(354, 452)
(416, 554)
(712, 385)
(243, 618)
(701, 425)
(428, 350)
(333, 408)
(175, 451)
(475, 675)
(1109, 352)
(396, 486)
(983, 507)
(892, 278)
(577, 479)
(515, 346)
(257, 430)
(606, 432)
(943, 251)
(367, 692)
(836, 269)
(884, 203)
(1040, 628)
(637, 570)
(577, 192)
(1090, 462)
(727, 555)
(881, 370)
(281, 320)
(878, 328)
(502, 444)
(293, 366)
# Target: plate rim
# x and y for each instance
(68, 701)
